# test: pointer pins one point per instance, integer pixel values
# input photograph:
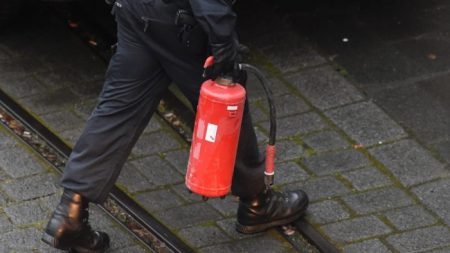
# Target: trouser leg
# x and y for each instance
(184, 65)
(135, 82)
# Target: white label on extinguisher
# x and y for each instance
(211, 132)
(232, 108)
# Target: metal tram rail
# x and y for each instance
(119, 205)
(154, 235)
(136, 220)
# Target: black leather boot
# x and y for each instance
(270, 209)
(68, 228)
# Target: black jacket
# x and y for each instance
(218, 20)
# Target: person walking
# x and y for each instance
(161, 42)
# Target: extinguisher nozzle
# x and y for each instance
(268, 180)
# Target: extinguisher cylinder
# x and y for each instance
(215, 138)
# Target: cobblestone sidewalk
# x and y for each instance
(373, 187)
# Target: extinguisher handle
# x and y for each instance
(208, 62)
(222, 80)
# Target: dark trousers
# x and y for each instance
(151, 54)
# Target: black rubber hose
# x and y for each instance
(265, 82)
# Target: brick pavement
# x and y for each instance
(373, 186)
(28, 194)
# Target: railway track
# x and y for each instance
(119, 205)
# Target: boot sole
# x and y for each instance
(53, 242)
(251, 229)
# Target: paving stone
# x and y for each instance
(159, 200)
(325, 87)
(119, 237)
(89, 89)
(133, 180)
(325, 141)
(153, 125)
(3, 199)
(84, 108)
(3, 176)
(155, 142)
(372, 246)
(71, 136)
(356, 229)
(330, 163)
(62, 77)
(263, 244)
(99, 218)
(227, 207)
(31, 187)
(62, 120)
(261, 137)
(21, 67)
(229, 226)
(419, 48)
(258, 114)
(298, 124)
(201, 236)
(367, 178)
(382, 64)
(19, 166)
(50, 101)
(182, 191)
(26, 212)
(446, 250)
(49, 203)
(272, 242)
(288, 104)
(4, 57)
(410, 217)
(132, 249)
(23, 240)
(420, 108)
(366, 123)
(223, 248)
(4, 248)
(6, 141)
(288, 150)
(256, 92)
(444, 150)
(320, 188)
(5, 224)
(190, 215)
(409, 162)
(289, 172)
(22, 87)
(291, 53)
(326, 212)
(157, 171)
(435, 196)
(178, 159)
(378, 200)
(421, 239)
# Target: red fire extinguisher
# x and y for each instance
(215, 139)
(216, 135)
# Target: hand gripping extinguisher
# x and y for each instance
(216, 135)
